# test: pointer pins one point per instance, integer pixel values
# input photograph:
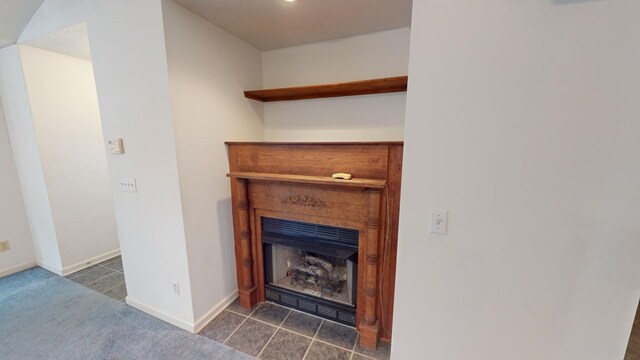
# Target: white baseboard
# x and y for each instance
(90, 262)
(215, 310)
(160, 315)
(16, 269)
(185, 325)
(51, 268)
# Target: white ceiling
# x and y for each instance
(72, 41)
(14, 17)
(274, 24)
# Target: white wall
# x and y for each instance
(15, 99)
(66, 118)
(208, 71)
(522, 120)
(359, 118)
(129, 58)
(13, 217)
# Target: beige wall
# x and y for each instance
(14, 226)
(21, 130)
(358, 118)
(208, 70)
(522, 121)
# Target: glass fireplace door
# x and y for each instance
(313, 268)
(314, 274)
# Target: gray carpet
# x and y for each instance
(45, 316)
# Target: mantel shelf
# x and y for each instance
(304, 179)
(364, 87)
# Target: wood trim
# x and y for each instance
(361, 161)
(389, 247)
(272, 143)
(247, 289)
(236, 217)
(364, 87)
(304, 179)
(258, 250)
(370, 324)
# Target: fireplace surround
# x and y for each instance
(317, 244)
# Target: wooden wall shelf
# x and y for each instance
(364, 87)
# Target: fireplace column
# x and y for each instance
(370, 325)
(247, 288)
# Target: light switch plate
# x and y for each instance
(115, 146)
(438, 223)
(128, 185)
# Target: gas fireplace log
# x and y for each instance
(320, 275)
(306, 268)
(313, 260)
(338, 274)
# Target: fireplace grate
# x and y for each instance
(326, 309)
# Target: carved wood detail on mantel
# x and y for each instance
(304, 200)
(293, 181)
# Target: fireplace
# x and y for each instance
(320, 245)
(311, 267)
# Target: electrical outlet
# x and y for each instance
(176, 288)
(4, 246)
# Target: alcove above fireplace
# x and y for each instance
(313, 243)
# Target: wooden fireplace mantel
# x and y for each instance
(293, 181)
(305, 179)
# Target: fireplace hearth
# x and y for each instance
(311, 268)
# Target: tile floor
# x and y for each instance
(273, 332)
(105, 277)
(268, 331)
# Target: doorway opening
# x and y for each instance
(67, 127)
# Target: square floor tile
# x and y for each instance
(359, 357)
(271, 313)
(113, 264)
(337, 334)
(237, 308)
(251, 337)
(112, 260)
(222, 326)
(90, 275)
(108, 282)
(302, 323)
(119, 292)
(382, 352)
(322, 351)
(286, 345)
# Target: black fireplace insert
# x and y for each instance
(311, 268)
